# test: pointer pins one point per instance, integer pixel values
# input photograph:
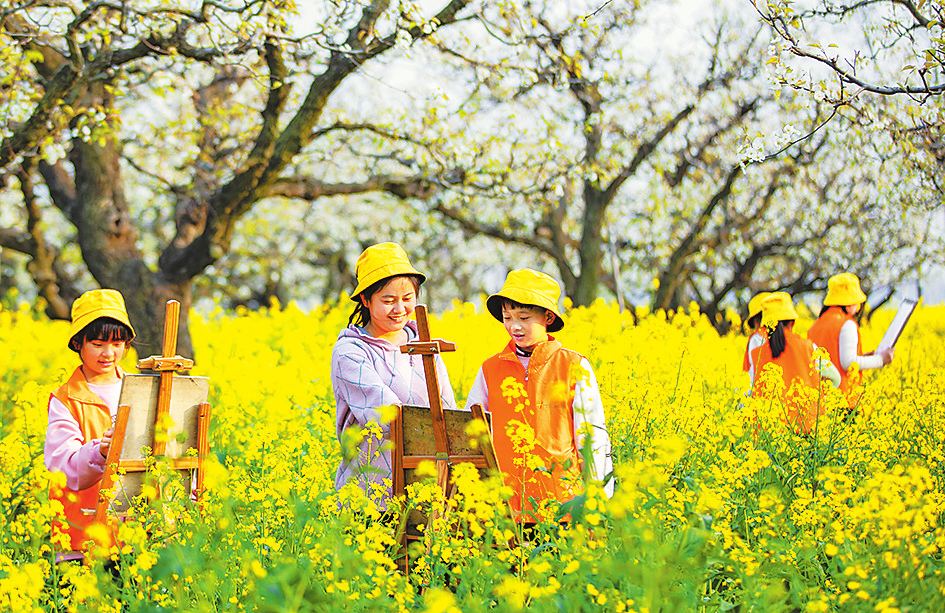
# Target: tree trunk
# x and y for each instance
(108, 240)
(592, 248)
(146, 307)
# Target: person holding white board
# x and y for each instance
(838, 332)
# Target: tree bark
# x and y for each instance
(592, 248)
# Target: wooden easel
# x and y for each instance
(166, 364)
(429, 348)
(447, 426)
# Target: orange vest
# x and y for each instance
(547, 407)
(826, 333)
(94, 418)
(798, 375)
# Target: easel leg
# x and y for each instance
(398, 487)
(203, 447)
(111, 462)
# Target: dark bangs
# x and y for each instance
(102, 329)
(512, 304)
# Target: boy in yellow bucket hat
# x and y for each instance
(794, 355)
(545, 403)
(81, 411)
(837, 330)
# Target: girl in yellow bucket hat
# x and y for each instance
(838, 332)
(368, 371)
(81, 411)
(794, 355)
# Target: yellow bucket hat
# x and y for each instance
(754, 305)
(98, 303)
(380, 262)
(843, 290)
(532, 288)
(777, 307)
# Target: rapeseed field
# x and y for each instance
(718, 505)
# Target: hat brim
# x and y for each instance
(495, 301)
(382, 275)
(84, 320)
(845, 300)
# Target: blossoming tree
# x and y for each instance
(210, 102)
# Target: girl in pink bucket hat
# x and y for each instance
(81, 411)
(368, 371)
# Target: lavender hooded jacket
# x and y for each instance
(368, 373)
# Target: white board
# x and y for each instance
(897, 325)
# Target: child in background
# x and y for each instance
(795, 356)
(81, 411)
(758, 335)
(836, 330)
(561, 405)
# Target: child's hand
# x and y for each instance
(888, 355)
(106, 442)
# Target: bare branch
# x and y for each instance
(687, 158)
(493, 231)
(42, 257)
(309, 188)
(61, 187)
(671, 276)
(783, 25)
(645, 149)
(847, 76)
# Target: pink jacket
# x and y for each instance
(79, 414)
(368, 373)
(66, 449)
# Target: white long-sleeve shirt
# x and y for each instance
(756, 340)
(849, 338)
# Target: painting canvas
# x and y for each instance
(140, 392)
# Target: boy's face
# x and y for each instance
(526, 326)
(99, 357)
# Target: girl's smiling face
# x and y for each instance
(527, 326)
(391, 307)
(100, 358)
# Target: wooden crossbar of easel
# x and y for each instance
(167, 365)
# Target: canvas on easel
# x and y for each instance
(187, 417)
(413, 442)
(165, 416)
(897, 325)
